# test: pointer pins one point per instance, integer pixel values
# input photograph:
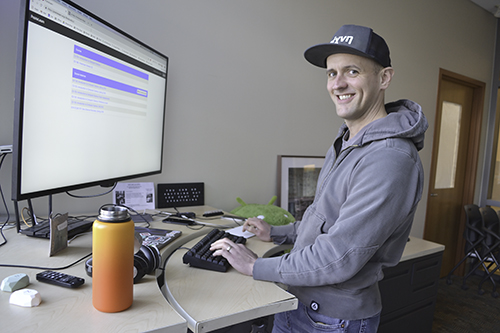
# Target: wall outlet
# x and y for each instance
(7, 149)
(180, 195)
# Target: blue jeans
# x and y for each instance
(305, 320)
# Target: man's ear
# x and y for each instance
(386, 75)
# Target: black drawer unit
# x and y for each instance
(409, 292)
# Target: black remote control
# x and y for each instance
(60, 279)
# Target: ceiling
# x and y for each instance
(490, 5)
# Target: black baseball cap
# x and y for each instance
(352, 39)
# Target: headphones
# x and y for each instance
(146, 260)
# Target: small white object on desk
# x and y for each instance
(26, 298)
(238, 231)
(15, 282)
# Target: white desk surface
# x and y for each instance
(418, 247)
(210, 300)
(71, 310)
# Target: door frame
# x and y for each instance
(473, 147)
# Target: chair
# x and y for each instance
(474, 238)
(491, 246)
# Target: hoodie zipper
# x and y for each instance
(335, 164)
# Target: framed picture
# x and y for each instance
(297, 178)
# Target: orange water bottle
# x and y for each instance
(112, 260)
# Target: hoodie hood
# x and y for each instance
(404, 119)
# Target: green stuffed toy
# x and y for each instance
(273, 215)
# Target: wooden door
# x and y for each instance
(454, 163)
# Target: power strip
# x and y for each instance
(180, 195)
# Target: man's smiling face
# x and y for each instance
(355, 85)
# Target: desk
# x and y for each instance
(210, 300)
(71, 310)
(409, 289)
(199, 299)
(235, 298)
(418, 248)
(64, 309)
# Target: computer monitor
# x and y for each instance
(89, 102)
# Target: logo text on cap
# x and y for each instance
(342, 39)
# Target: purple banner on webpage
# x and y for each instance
(106, 61)
(81, 75)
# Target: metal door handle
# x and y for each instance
(434, 195)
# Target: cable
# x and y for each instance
(130, 209)
(22, 216)
(137, 213)
(5, 205)
(47, 268)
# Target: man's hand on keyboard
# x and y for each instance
(260, 228)
(239, 256)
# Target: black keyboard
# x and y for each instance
(42, 230)
(200, 255)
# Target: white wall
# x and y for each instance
(240, 92)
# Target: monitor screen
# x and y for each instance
(90, 102)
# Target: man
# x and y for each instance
(366, 197)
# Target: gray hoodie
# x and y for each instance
(360, 219)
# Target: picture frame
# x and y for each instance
(297, 179)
